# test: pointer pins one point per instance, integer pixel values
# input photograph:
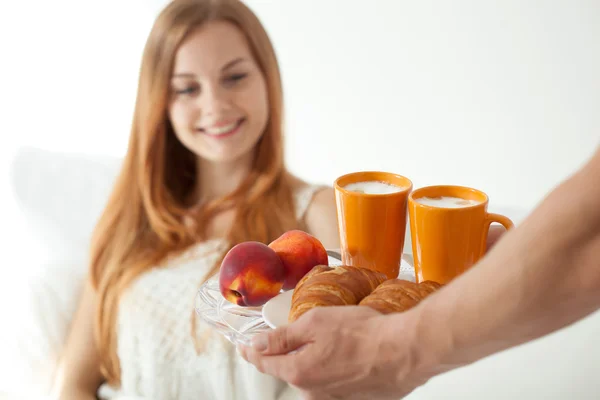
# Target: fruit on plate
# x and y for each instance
(251, 274)
(299, 252)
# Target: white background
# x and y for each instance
(498, 95)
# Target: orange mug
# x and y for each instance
(371, 213)
(449, 227)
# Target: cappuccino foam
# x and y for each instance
(446, 202)
(373, 187)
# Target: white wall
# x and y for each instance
(498, 95)
(501, 95)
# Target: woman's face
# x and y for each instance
(219, 104)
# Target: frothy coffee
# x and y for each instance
(446, 202)
(373, 187)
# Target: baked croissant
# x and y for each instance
(339, 286)
(397, 295)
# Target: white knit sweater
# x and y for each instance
(155, 348)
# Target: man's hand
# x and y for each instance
(347, 352)
(339, 353)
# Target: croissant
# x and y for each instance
(326, 286)
(397, 295)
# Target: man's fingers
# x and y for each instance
(284, 367)
(318, 396)
(279, 341)
(296, 368)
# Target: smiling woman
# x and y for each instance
(204, 171)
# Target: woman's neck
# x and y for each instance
(218, 179)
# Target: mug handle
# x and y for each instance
(490, 218)
(501, 219)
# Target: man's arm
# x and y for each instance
(541, 277)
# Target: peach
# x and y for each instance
(300, 252)
(251, 274)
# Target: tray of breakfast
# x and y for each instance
(260, 286)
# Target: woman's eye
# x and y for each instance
(235, 78)
(186, 90)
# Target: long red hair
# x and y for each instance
(144, 221)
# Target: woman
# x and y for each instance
(204, 170)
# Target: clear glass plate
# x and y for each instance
(239, 324)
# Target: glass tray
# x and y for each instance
(239, 324)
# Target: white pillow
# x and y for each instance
(59, 198)
(61, 195)
(43, 303)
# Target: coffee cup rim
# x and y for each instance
(403, 190)
(416, 192)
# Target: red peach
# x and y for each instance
(251, 274)
(300, 252)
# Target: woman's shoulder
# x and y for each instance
(307, 194)
(318, 211)
(299, 185)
